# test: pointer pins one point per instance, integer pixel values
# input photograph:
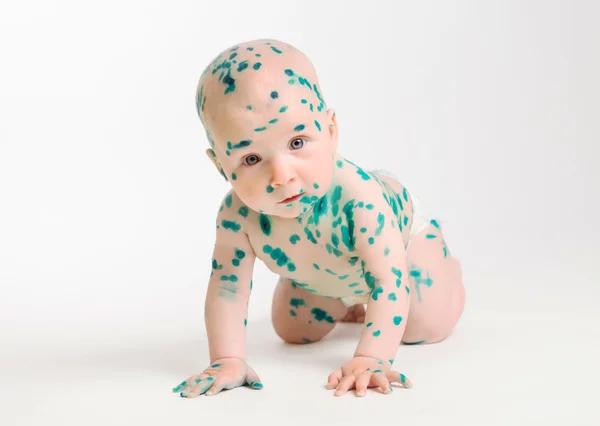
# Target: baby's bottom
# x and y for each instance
(437, 298)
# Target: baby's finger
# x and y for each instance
(362, 383)
(200, 386)
(253, 380)
(345, 384)
(334, 378)
(180, 386)
(217, 386)
(380, 380)
(394, 376)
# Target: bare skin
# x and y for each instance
(338, 236)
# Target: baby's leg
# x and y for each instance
(302, 317)
(437, 292)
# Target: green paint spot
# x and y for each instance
(377, 333)
(402, 378)
(274, 49)
(376, 293)
(329, 271)
(430, 236)
(292, 313)
(392, 297)
(310, 236)
(249, 107)
(260, 129)
(376, 371)
(215, 365)
(243, 211)
(397, 320)
(363, 174)
(274, 95)
(270, 189)
(228, 200)
(245, 322)
(386, 251)
(316, 266)
(380, 223)
(240, 254)
(294, 238)
(316, 186)
(229, 224)
(353, 284)
(371, 240)
(296, 303)
(257, 66)
(291, 267)
(363, 230)
(339, 164)
(242, 66)
(299, 128)
(235, 262)
(318, 125)
(414, 343)
(305, 340)
(343, 277)
(321, 315)
(233, 176)
(304, 101)
(265, 224)
(283, 109)
(289, 72)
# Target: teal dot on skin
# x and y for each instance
(369, 324)
(294, 238)
(235, 262)
(283, 109)
(257, 65)
(245, 322)
(397, 320)
(273, 121)
(299, 128)
(392, 297)
(303, 101)
(318, 125)
(371, 240)
(274, 94)
(249, 107)
(233, 176)
(315, 186)
(243, 211)
(274, 49)
(289, 72)
(316, 266)
(377, 333)
(215, 365)
(363, 230)
(269, 189)
(369, 206)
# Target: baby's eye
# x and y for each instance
(297, 143)
(251, 160)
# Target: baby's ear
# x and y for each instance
(333, 127)
(213, 157)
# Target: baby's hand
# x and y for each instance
(224, 373)
(362, 373)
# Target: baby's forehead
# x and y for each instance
(254, 79)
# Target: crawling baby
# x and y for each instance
(340, 237)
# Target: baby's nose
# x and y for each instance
(281, 173)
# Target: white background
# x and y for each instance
(488, 111)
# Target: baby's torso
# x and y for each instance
(316, 250)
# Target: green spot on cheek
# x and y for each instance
(270, 189)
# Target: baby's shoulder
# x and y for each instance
(233, 213)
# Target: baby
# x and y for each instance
(338, 236)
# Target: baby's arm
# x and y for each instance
(226, 308)
(381, 250)
(228, 293)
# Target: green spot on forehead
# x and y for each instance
(274, 95)
(283, 109)
(318, 125)
(299, 128)
(273, 121)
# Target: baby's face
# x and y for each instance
(274, 139)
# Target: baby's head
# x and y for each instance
(271, 133)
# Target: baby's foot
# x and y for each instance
(355, 313)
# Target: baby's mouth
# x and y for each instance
(291, 199)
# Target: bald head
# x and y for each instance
(246, 88)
